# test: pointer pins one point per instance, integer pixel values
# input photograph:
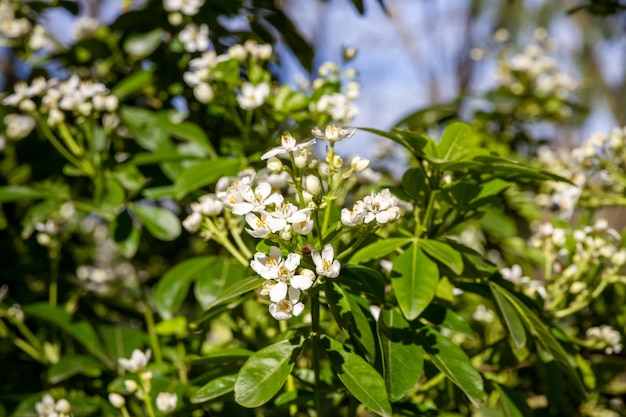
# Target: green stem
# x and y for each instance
(236, 234)
(291, 386)
(147, 400)
(124, 411)
(355, 246)
(28, 334)
(222, 239)
(181, 365)
(315, 334)
(154, 340)
(29, 350)
(60, 148)
(66, 135)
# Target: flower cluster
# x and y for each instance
(604, 337)
(11, 26)
(535, 75)
(137, 363)
(48, 407)
(596, 168)
(284, 203)
(580, 264)
(381, 207)
(56, 100)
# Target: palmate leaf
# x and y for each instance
(265, 372)
(358, 376)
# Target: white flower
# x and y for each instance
(604, 337)
(209, 205)
(187, 7)
(359, 164)
(252, 96)
(18, 126)
(193, 222)
(304, 280)
(195, 38)
(325, 263)
(337, 106)
(261, 227)
(116, 400)
(382, 207)
(166, 401)
(267, 266)
(288, 144)
(301, 221)
(332, 133)
(256, 200)
(138, 361)
(46, 407)
(84, 27)
(355, 216)
(288, 307)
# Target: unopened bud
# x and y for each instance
(274, 165)
(117, 400)
(312, 184)
(301, 158)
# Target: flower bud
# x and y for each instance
(175, 19)
(203, 93)
(117, 400)
(301, 158)
(130, 385)
(55, 117)
(359, 164)
(63, 406)
(237, 52)
(264, 51)
(166, 401)
(274, 165)
(312, 184)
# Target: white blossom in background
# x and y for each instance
(325, 263)
(337, 106)
(252, 96)
(195, 38)
(137, 362)
(84, 27)
(18, 126)
(117, 400)
(604, 337)
(48, 407)
(166, 402)
(12, 27)
(483, 314)
(186, 7)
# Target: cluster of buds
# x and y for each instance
(178, 9)
(48, 407)
(283, 204)
(166, 401)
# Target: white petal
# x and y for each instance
(278, 292)
(328, 252)
(242, 208)
(301, 282)
(297, 309)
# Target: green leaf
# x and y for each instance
(415, 184)
(175, 326)
(443, 253)
(223, 356)
(511, 319)
(455, 141)
(215, 278)
(82, 331)
(141, 45)
(174, 284)
(358, 376)
(350, 317)
(185, 130)
(403, 360)
(203, 174)
(447, 319)
(543, 335)
(417, 282)
(452, 361)
(120, 340)
(18, 192)
(379, 249)
(133, 84)
(509, 408)
(71, 365)
(160, 222)
(265, 372)
(215, 389)
(237, 289)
